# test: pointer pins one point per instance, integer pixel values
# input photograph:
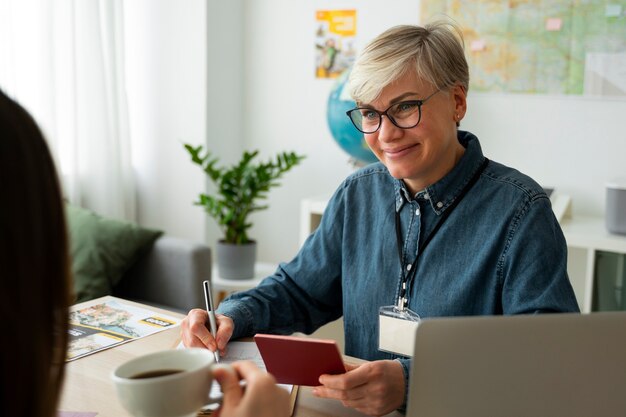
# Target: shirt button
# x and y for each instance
(417, 211)
(439, 204)
(408, 267)
(426, 196)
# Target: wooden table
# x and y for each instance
(88, 387)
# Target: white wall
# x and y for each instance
(185, 69)
(286, 105)
(573, 143)
(166, 65)
(258, 91)
(225, 88)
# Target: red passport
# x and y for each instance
(299, 360)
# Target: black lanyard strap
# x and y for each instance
(408, 277)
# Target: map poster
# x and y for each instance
(540, 46)
(109, 324)
(334, 42)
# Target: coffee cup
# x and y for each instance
(169, 383)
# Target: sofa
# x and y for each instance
(169, 275)
(126, 260)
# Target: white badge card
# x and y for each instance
(396, 330)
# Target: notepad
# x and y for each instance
(299, 360)
(239, 351)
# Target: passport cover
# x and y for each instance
(299, 360)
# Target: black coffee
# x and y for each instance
(156, 373)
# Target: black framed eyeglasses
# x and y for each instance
(404, 114)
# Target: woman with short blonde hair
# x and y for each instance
(435, 52)
(432, 229)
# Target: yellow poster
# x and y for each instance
(334, 44)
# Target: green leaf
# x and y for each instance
(239, 187)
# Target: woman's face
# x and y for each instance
(424, 154)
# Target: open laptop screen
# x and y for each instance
(541, 365)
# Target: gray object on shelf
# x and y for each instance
(616, 206)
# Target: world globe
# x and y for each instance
(345, 134)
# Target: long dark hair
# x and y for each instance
(34, 268)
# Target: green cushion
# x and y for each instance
(102, 250)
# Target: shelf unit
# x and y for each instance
(222, 286)
(585, 236)
(311, 210)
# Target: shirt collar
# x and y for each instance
(443, 193)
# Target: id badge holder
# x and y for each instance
(396, 330)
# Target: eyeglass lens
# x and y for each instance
(405, 114)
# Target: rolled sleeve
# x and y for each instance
(406, 368)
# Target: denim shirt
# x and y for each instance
(499, 251)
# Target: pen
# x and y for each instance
(208, 299)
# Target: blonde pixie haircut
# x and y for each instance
(435, 52)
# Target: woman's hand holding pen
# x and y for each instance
(195, 331)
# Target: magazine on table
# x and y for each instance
(111, 323)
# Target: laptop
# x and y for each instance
(567, 364)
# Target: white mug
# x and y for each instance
(169, 383)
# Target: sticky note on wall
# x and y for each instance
(478, 45)
(613, 10)
(554, 24)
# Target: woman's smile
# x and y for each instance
(400, 151)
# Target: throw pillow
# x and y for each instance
(102, 250)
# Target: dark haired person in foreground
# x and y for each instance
(36, 286)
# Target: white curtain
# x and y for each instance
(64, 61)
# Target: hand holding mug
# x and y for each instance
(170, 383)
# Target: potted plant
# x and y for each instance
(239, 188)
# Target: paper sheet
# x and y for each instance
(238, 351)
(243, 351)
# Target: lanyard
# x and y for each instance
(408, 277)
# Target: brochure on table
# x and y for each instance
(111, 323)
